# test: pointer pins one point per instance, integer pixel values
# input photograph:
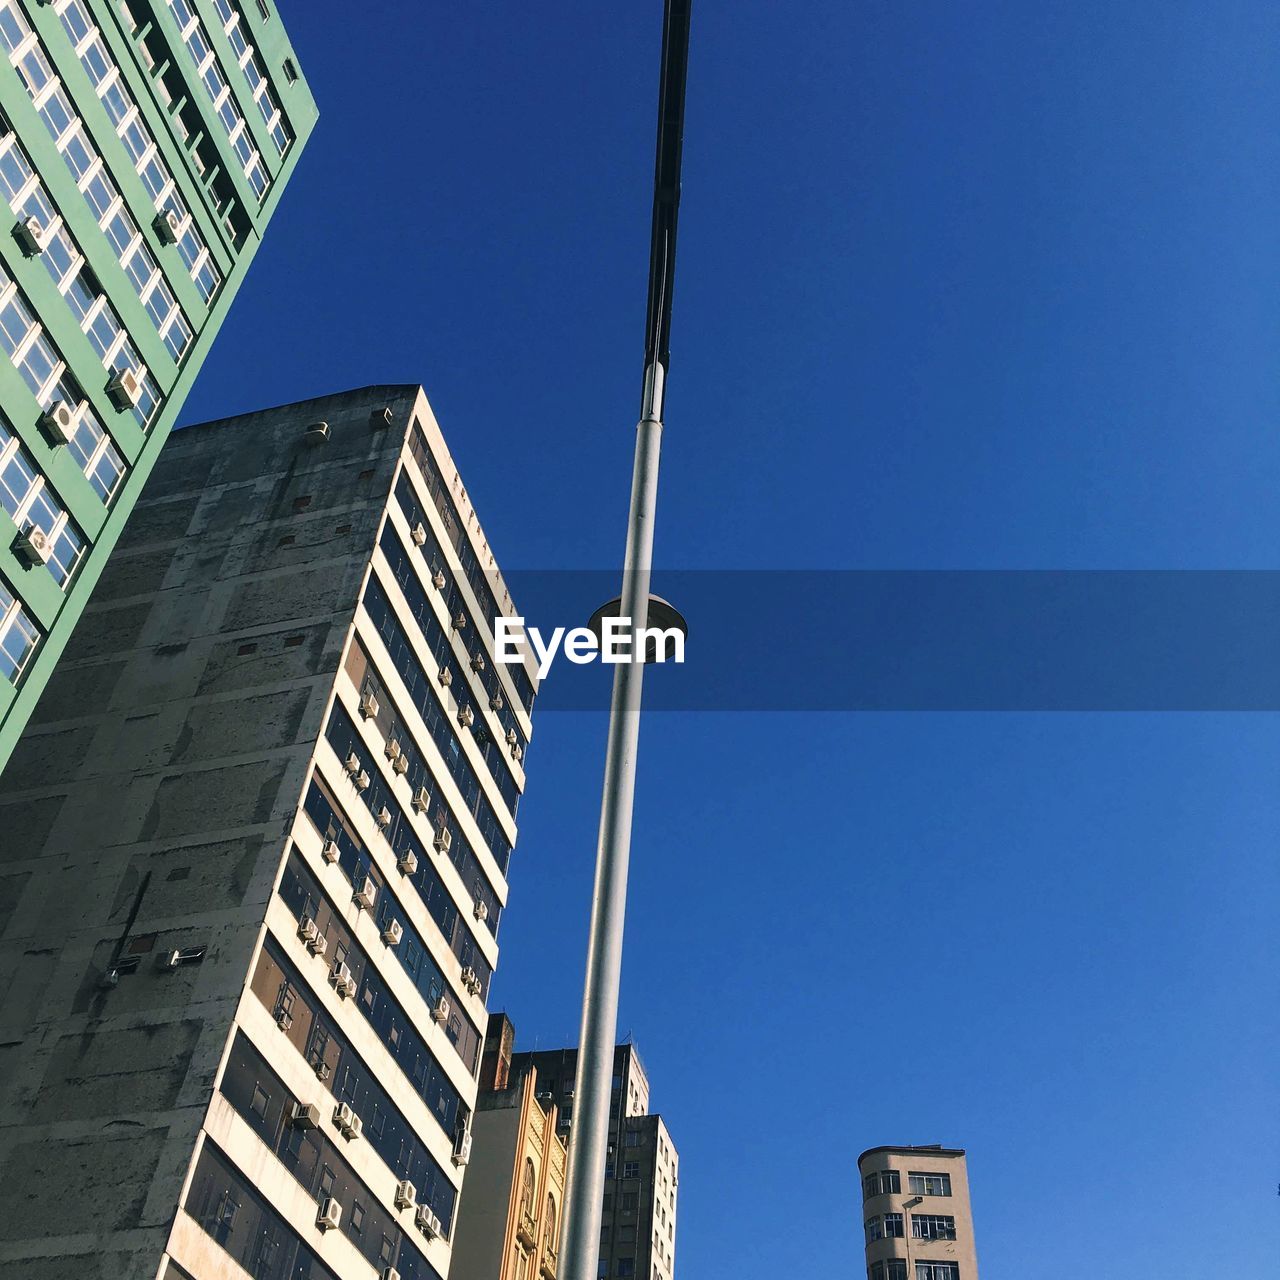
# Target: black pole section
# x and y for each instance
(666, 196)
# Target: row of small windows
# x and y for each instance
(889, 1182)
(131, 128)
(211, 75)
(93, 179)
(924, 1226)
(67, 266)
(18, 637)
(249, 63)
(896, 1269)
(33, 507)
(68, 417)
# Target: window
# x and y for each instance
(630, 1201)
(18, 637)
(932, 1226)
(631, 1169)
(874, 1229)
(626, 1266)
(549, 1239)
(937, 1271)
(632, 1138)
(893, 1226)
(893, 1269)
(883, 1183)
(526, 1190)
(929, 1184)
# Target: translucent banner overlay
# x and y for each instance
(818, 640)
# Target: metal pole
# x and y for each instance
(580, 1242)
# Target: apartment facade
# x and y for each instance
(254, 865)
(144, 147)
(510, 1214)
(642, 1173)
(917, 1220)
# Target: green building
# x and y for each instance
(144, 146)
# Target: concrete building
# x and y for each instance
(916, 1215)
(253, 864)
(638, 1228)
(144, 147)
(509, 1214)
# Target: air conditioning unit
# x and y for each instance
(362, 781)
(380, 419)
(316, 433)
(58, 423)
(468, 977)
(392, 932)
(461, 1147)
(496, 703)
(284, 1019)
(419, 533)
(440, 1011)
(545, 1095)
(406, 1195)
(308, 930)
(438, 579)
(392, 749)
(346, 1120)
(466, 717)
(30, 234)
(368, 706)
(512, 739)
(340, 976)
(427, 1222)
(477, 662)
(331, 852)
(400, 764)
(480, 910)
(460, 621)
(389, 1273)
(407, 862)
(125, 389)
(352, 764)
(366, 893)
(318, 945)
(383, 818)
(443, 840)
(517, 753)
(446, 677)
(166, 226)
(305, 1115)
(330, 1214)
(422, 800)
(322, 1071)
(32, 546)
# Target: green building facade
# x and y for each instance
(144, 146)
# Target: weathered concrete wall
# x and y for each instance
(160, 773)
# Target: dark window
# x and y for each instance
(287, 541)
(301, 504)
(245, 649)
(293, 642)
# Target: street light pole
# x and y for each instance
(580, 1245)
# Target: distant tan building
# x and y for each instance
(916, 1215)
(509, 1216)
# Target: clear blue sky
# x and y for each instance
(960, 286)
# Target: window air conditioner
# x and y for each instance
(406, 1195)
(392, 932)
(330, 852)
(496, 703)
(125, 389)
(468, 977)
(368, 706)
(466, 717)
(305, 1115)
(400, 764)
(366, 893)
(427, 1222)
(383, 818)
(32, 546)
(477, 662)
(318, 945)
(512, 738)
(390, 1273)
(307, 929)
(362, 781)
(330, 1214)
(440, 1012)
(419, 533)
(437, 579)
(392, 749)
(480, 910)
(345, 1119)
(407, 862)
(460, 621)
(316, 433)
(58, 423)
(443, 840)
(446, 677)
(352, 764)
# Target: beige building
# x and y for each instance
(916, 1216)
(510, 1212)
(254, 846)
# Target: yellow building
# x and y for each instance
(508, 1225)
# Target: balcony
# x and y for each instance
(548, 1264)
(527, 1230)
